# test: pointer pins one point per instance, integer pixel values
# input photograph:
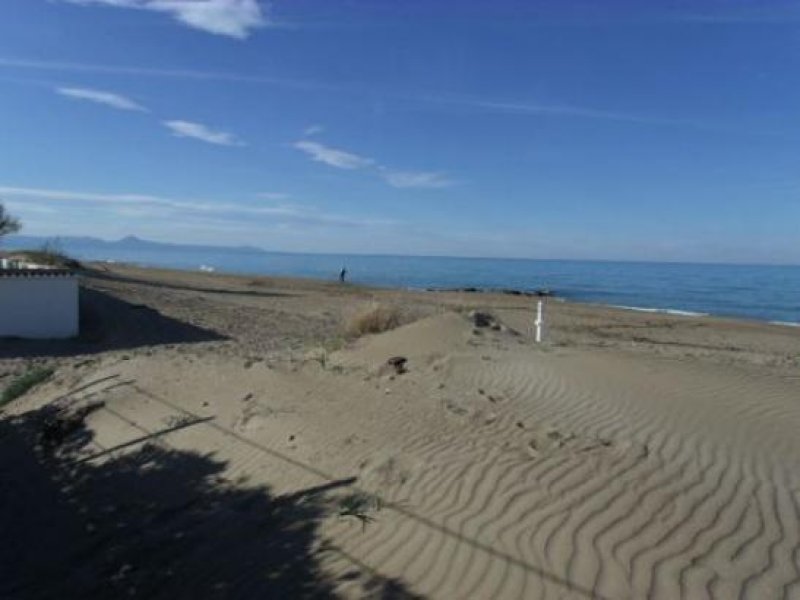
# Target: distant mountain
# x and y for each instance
(131, 242)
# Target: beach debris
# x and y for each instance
(398, 363)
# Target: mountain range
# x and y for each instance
(131, 242)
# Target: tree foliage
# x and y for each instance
(8, 223)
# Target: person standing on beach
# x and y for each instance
(343, 275)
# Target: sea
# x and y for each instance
(758, 292)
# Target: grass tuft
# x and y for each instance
(376, 318)
(359, 506)
(23, 384)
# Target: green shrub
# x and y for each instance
(23, 384)
(51, 255)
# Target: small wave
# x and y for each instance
(785, 323)
(664, 311)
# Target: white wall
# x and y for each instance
(39, 307)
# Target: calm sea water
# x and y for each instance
(770, 293)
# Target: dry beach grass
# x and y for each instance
(630, 456)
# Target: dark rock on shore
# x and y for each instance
(542, 293)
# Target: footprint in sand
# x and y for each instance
(455, 408)
(253, 418)
(552, 440)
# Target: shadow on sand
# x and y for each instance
(109, 323)
(153, 523)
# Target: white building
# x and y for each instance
(38, 303)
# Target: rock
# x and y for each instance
(399, 364)
(481, 319)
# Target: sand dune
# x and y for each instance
(613, 477)
(501, 469)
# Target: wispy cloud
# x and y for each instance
(147, 205)
(342, 159)
(333, 156)
(189, 74)
(273, 195)
(555, 110)
(492, 105)
(484, 104)
(100, 97)
(313, 130)
(581, 112)
(201, 132)
(433, 180)
(232, 18)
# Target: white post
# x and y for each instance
(539, 322)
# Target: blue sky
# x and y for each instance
(608, 130)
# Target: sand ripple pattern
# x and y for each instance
(646, 494)
(673, 485)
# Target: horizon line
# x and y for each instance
(393, 255)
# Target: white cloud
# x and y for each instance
(24, 199)
(333, 157)
(347, 160)
(417, 179)
(100, 97)
(233, 18)
(313, 130)
(273, 195)
(201, 132)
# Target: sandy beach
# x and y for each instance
(216, 436)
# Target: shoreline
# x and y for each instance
(542, 293)
(568, 324)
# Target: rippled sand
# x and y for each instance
(494, 468)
